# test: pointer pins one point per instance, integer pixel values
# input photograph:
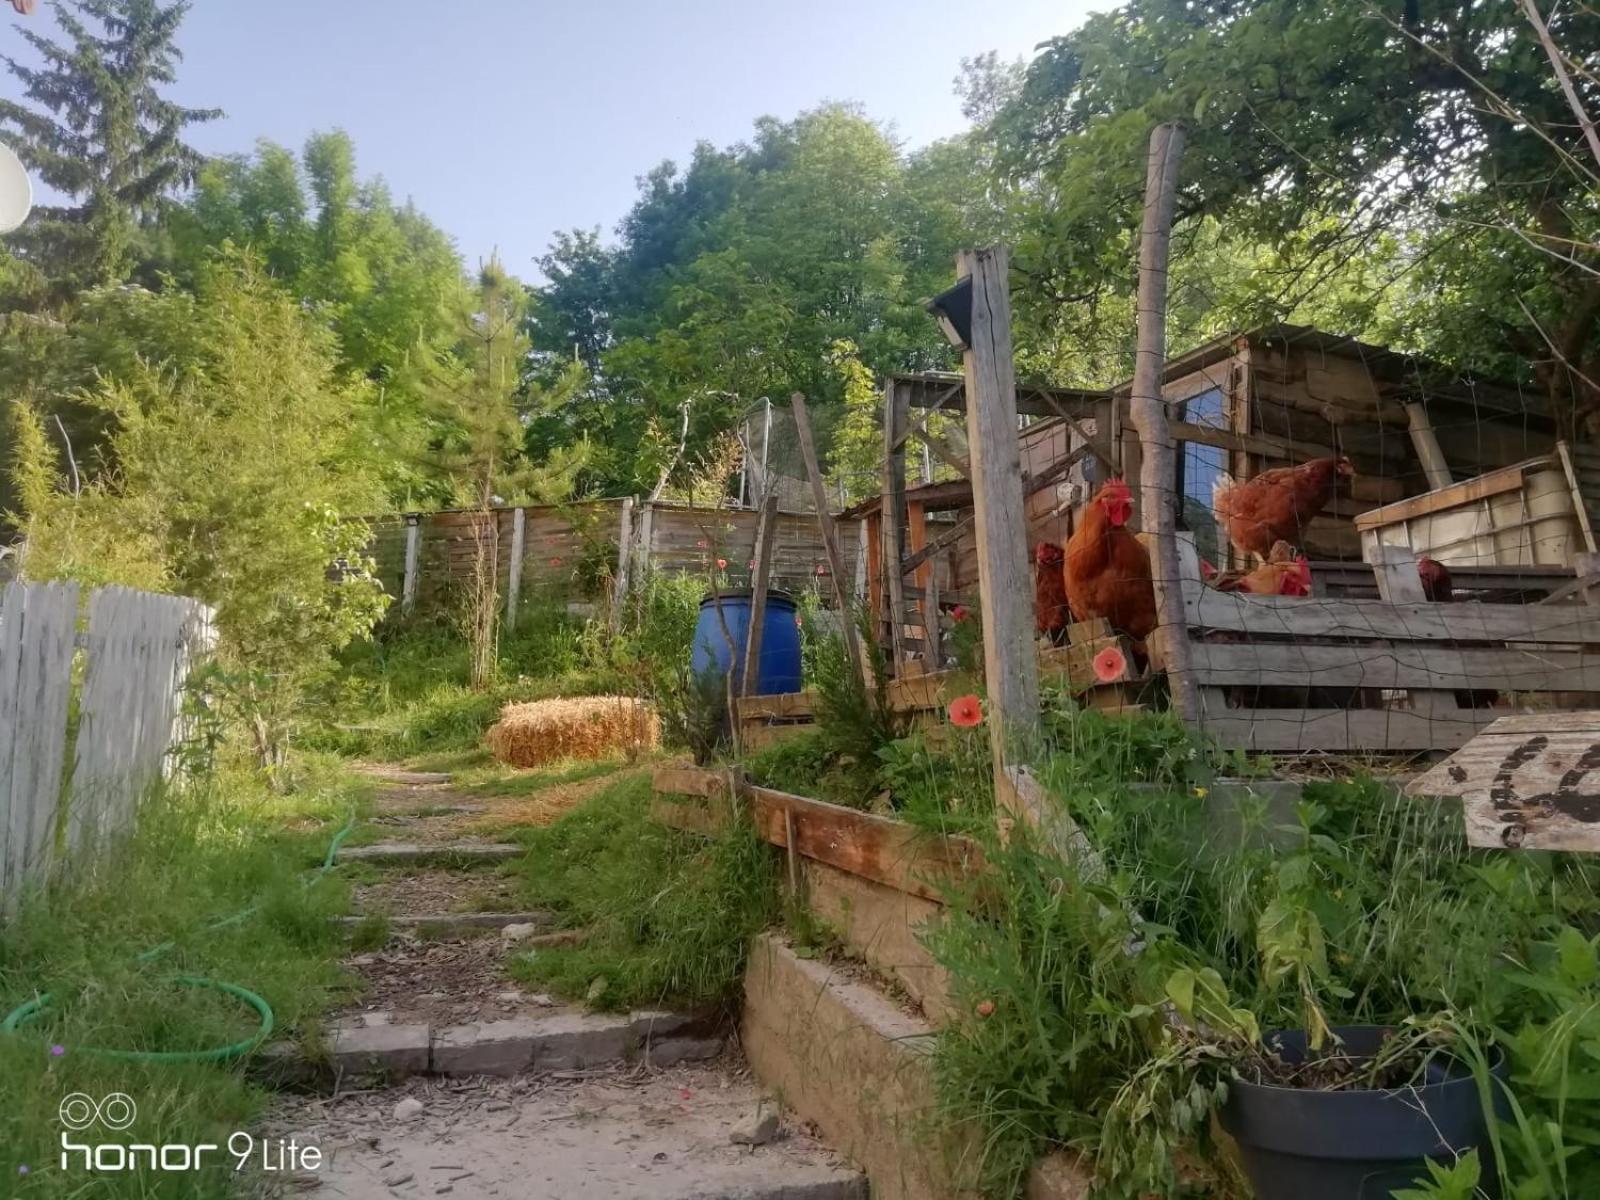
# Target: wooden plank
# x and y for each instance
(1580, 502)
(1280, 616)
(37, 636)
(1395, 665)
(896, 418)
(408, 586)
(1528, 781)
(766, 545)
(1394, 569)
(1426, 444)
(691, 816)
(1377, 730)
(830, 536)
(689, 781)
(1005, 577)
(519, 533)
(878, 848)
(782, 705)
(619, 588)
(1495, 483)
(758, 735)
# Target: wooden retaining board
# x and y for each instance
(1529, 781)
(878, 848)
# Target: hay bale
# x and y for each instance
(531, 735)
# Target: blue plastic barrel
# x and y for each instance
(779, 668)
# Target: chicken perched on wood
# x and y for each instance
(1050, 612)
(1276, 505)
(1108, 571)
(1283, 574)
(1437, 585)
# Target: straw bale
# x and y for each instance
(531, 735)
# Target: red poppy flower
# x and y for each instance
(555, 562)
(966, 711)
(722, 564)
(701, 544)
(751, 565)
(986, 1008)
(1109, 665)
(821, 570)
(959, 613)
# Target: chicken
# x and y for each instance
(1276, 505)
(1108, 571)
(1436, 583)
(1050, 613)
(1283, 574)
(1438, 587)
(1292, 578)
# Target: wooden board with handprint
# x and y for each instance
(1529, 781)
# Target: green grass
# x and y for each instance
(670, 915)
(193, 859)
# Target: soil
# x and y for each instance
(441, 983)
(426, 891)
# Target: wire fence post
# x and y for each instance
(1158, 462)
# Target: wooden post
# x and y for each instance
(408, 583)
(519, 533)
(1426, 444)
(1395, 569)
(916, 541)
(619, 593)
(1158, 470)
(647, 535)
(862, 561)
(1005, 578)
(766, 546)
(930, 618)
(896, 418)
(830, 535)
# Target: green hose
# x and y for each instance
(35, 1008)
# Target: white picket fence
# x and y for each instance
(136, 654)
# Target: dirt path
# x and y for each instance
(573, 1104)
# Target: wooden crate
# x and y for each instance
(1283, 673)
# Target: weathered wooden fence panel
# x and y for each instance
(138, 653)
(37, 627)
(136, 657)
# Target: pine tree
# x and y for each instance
(100, 131)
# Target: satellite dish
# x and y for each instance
(16, 193)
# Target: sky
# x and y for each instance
(506, 120)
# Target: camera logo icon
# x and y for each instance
(79, 1111)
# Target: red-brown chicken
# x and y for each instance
(1108, 571)
(1437, 585)
(1050, 613)
(1276, 505)
(1283, 574)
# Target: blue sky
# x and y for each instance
(508, 120)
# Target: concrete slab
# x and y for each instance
(840, 1054)
(410, 852)
(380, 1048)
(562, 1041)
(658, 1136)
(440, 925)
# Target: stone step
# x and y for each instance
(414, 852)
(540, 1042)
(455, 924)
(400, 775)
(621, 1135)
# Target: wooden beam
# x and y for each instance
(896, 418)
(519, 530)
(1005, 580)
(761, 578)
(1426, 443)
(1394, 665)
(830, 535)
(408, 582)
(619, 594)
(1158, 470)
(1395, 570)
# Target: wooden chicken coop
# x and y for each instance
(1365, 663)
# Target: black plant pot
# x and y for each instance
(1305, 1144)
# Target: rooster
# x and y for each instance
(1050, 612)
(1276, 505)
(1108, 571)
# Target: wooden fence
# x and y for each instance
(578, 549)
(65, 792)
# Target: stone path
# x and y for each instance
(447, 1077)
